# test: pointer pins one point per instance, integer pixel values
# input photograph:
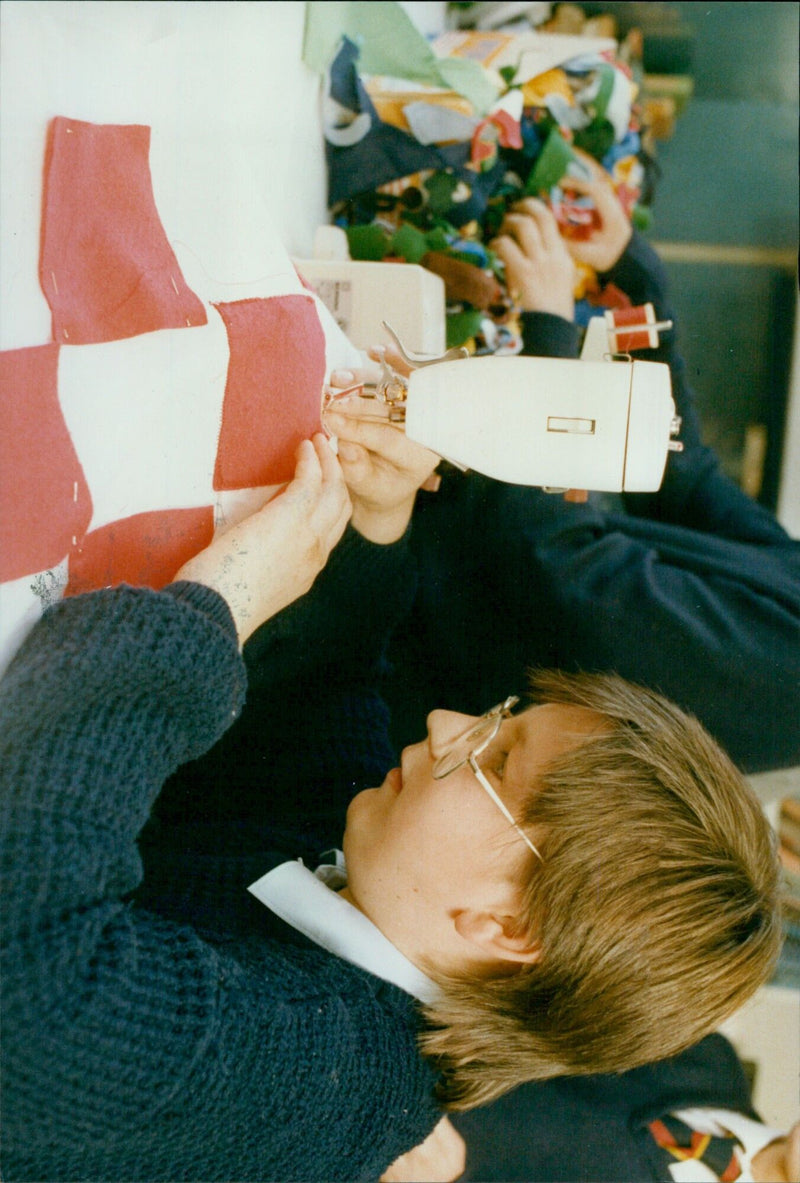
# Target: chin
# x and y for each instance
(357, 805)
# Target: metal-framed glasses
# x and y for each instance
(471, 743)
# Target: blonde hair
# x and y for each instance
(656, 906)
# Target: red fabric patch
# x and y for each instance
(273, 393)
(609, 297)
(144, 550)
(106, 268)
(42, 485)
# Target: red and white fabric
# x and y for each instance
(184, 363)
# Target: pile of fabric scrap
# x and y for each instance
(424, 171)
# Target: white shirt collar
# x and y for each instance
(304, 901)
(752, 1135)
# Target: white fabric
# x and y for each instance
(303, 900)
(226, 144)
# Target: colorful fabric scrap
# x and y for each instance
(435, 164)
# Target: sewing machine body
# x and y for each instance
(554, 422)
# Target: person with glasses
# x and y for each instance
(255, 944)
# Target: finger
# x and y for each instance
(376, 435)
(546, 221)
(517, 265)
(391, 446)
(393, 358)
(331, 508)
(339, 513)
(379, 438)
(329, 467)
(352, 377)
(334, 498)
(307, 470)
(543, 217)
(601, 190)
(525, 229)
(509, 251)
(354, 406)
(343, 378)
(355, 464)
(528, 205)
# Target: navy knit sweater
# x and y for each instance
(158, 1022)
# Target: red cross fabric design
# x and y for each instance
(123, 443)
(42, 483)
(106, 267)
(273, 394)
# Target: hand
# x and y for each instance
(606, 244)
(540, 273)
(272, 557)
(441, 1158)
(778, 1161)
(382, 467)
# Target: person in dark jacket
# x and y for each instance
(693, 591)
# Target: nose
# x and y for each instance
(444, 727)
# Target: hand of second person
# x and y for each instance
(382, 467)
(606, 244)
(540, 273)
(273, 556)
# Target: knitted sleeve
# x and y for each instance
(546, 335)
(133, 1047)
(109, 693)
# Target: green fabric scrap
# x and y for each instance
(438, 239)
(440, 187)
(408, 242)
(389, 43)
(554, 159)
(369, 242)
(462, 326)
(596, 139)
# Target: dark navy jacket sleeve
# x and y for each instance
(313, 677)
(693, 591)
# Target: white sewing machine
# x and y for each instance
(603, 422)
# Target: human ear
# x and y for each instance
(493, 933)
